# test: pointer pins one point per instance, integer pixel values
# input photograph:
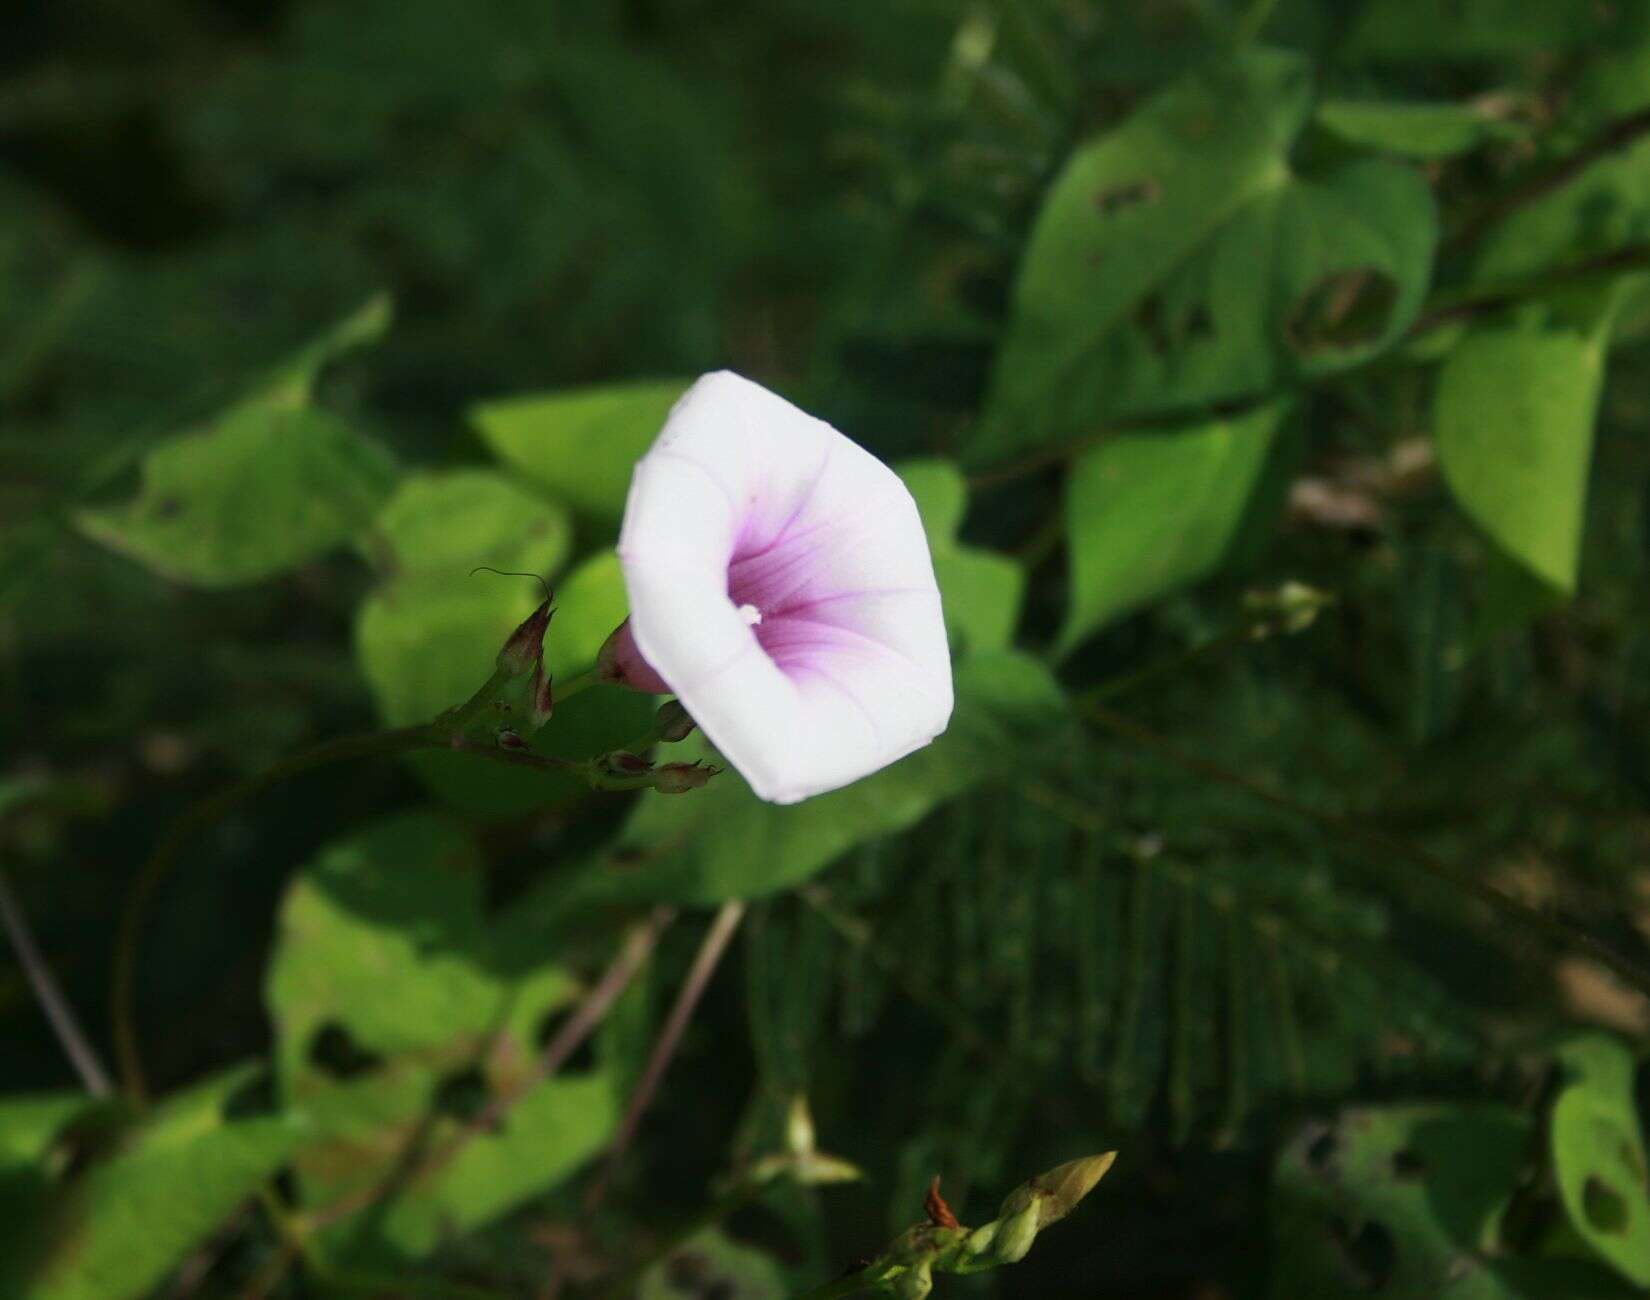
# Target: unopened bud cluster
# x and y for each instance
(941, 1245)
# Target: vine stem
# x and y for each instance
(705, 961)
(59, 1014)
(1556, 932)
(638, 945)
(444, 734)
(190, 824)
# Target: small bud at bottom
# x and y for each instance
(672, 722)
(621, 762)
(679, 778)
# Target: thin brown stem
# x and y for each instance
(705, 962)
(633, 953)
(59, 1014)
(1615, 136)
(165, 855)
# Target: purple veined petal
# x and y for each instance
(780, 584)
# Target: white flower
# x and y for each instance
(780, 585)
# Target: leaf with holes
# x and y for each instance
(116, 1228)
(580, 445)
(1149, 512)
(264, 490)
(1602, 211)
(1598, 1154)
(1178, 261)
(981, 590)
(397, 1019)
(1404, 1202)
(713, 1264)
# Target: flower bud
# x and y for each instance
(799, 1126)
(621, 663)
(1016, 1233)
(1290, 608)
(672, 723)
(1061, 1188)
(526, 643)
(621, 762)
(916, 1282)
(543, 702)
(679, 778)
(508, 739)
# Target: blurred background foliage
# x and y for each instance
(1273, 380)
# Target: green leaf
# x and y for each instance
(30, 1123)
(1513, 421)
(723, 842)
(1415, 130)
(118, 1228)
(1149, 512)
(580, 445)
(981, 590)
(398, 909)
(266, 489)
(1599, 1155)
(1396, 1202)
(1178, 261)
(1604, 209)
(292, 384)
(427, 638)
(713, 1264)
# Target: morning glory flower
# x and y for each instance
(780, 586)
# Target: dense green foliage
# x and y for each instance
(1272, 379)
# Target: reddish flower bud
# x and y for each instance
(621, 663)
(672, 722)
(622, 762)
(526, 643)
(679, 778)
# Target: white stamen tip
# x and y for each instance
(751, 614)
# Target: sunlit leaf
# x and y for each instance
(117, 1228)
(1149, 512)
(1180, 260)
(427, 638)
(1513, 420)
(580, 445)
(1599, 1155)
(265, 490)
(396, 1022)
(981, 590)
